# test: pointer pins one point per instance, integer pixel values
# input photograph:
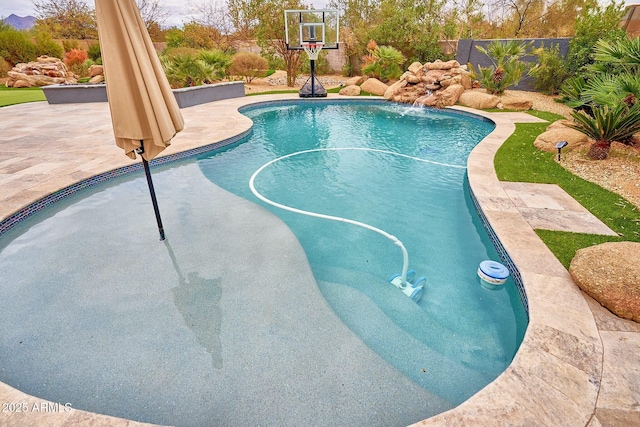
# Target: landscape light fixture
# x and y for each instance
(560, 145)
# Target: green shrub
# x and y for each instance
(248, 65)
(5, 67)
(16, 46)
(595, 23)
(383, 62)
(95, 53)
(550, 72)
(47, 46)
(69, 45)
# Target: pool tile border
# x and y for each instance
(502, 252)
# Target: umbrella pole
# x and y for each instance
(152, 191)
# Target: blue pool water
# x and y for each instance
(347, 168)
(251, 315)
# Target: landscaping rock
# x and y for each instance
(374, 86)
(547, 140)
(609, 273)
(450, 95)
(479, 100)
(42, 72)
(21, 84)
(97, 79)
(96, 70)
(426, 84)
(351, 90)
(518, 104)
(357, 80)
(415, 67)
(394, 89)
(439, 65)
(429, 100)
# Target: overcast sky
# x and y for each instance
(178, 9)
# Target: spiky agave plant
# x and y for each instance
(608, 124)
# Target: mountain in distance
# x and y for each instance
(20, 22)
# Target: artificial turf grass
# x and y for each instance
(12, 96)
(519, 160)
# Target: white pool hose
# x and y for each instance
(394, 239)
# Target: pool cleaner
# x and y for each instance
(410, 286)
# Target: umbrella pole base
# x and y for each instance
(154, 201)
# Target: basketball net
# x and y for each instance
(313, 50)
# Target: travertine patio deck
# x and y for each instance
(577, 366)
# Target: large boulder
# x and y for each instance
(478, 100)
(415, 67)
(457, 79)
(518, 104)
(394, 89)
(357, 80)
(374, 86)
(450, 95)
(351, 90)
(21, 84)
(557, 131)
(96, 70)
(430, 100)
(609, 273)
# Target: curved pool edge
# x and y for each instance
(556, 374)
(554, 378)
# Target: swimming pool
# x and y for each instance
(395, 328)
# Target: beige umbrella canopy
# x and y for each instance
(144, 111)
(142, 104)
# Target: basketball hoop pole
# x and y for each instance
(313, 78)
(313, 52)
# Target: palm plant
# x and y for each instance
(186, 70)
(572, 96)
(507, 69)
(607, 124)
(219, 60)
(618, 57)
(609, 96)
(385, 63)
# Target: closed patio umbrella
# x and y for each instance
(144, 111)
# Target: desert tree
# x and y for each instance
(66, 19)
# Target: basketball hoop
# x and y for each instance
(312, 49)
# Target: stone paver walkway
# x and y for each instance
(578, 363)
(549, 207)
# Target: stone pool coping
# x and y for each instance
(568, 369)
